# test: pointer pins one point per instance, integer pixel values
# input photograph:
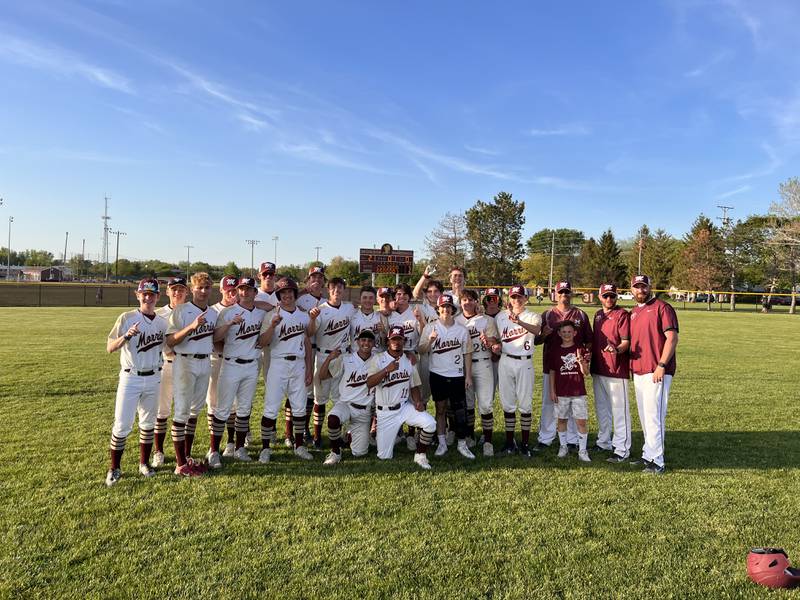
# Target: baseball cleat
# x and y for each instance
(196, 467)
(509, 448)
(583, 456)
(186, 471)
(317, 444)
(146, 470)
(332, 459)
(540, 447)
(307, 437)
(411, 443)
(214, 460)
(654, 469)
(158, 459)
(470, 442)
(524, 450)
(229, 451)
(464, 451)
(265, 455)
(288, 443)
(112, 477)
(616, 458)
(451, 437)
(636, 462)
(241, 454)
(572, 447)
(422, 461)
(302, 452)
(597, 448)
(563, 451)
(441, 450)
(488, 449)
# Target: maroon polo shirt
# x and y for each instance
(552, 317)
(564, 363)
(649, 323)
(610, 328)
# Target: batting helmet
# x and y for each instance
(770, 567)
(286, 283)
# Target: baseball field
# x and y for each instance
(494, 528)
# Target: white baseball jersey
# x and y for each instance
(353, 384)
(410, 325)
(428, 312)
(476, 325)
(270, 297)
(516, 340)
(200, 340)
(360, 322)
(447, 350)
(307, 301)
(240, 340)
(289, 336)
(396, 387)
(165, 311)
(143, 351)
(333, 326)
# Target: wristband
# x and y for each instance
(127, 337)
(662, 365)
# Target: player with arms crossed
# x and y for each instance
(654, 338)
(355, 398)
(139, 334)
(396, 382)
(287, 331)
(517, 327)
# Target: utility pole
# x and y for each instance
(83, 255)
(66, 240)
(552, 264)
(105, 219)
(731, 251)
(275, 258)
(253, 244)
(317, 248)
(116, 261)
(8, 267)
(187, 261)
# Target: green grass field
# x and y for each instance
(496, 528)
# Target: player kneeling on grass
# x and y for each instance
(568, 366)
(140, 335)
(354, 404)
(396, 381)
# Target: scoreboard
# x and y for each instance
(386, 260)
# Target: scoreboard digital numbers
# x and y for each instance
(386, 260)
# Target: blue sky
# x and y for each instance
(347, 124)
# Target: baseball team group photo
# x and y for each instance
(421, 300)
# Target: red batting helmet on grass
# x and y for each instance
(771, 568)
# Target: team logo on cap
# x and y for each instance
(385, 291)
(563, 285)
(517, 290)
(267, 267)
(316, 270)
(492, 292)
(396, 331)
(445, 300)
(229, 282)
(640, 279)
(607, 289)
(173, 281)
(247, 282)
(148, 285)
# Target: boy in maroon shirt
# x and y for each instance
(568, 365)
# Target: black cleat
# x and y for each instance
(654, 469)
(317, 444)
(540, 447)
(597, 448)
(509, 448)
(636, 462)
(572, 447)
(524, 450)
(616, 458)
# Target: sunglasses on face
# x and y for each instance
(568, 292)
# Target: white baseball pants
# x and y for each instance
(482, 390)
(613, 414)
(360, 420)
(211, 396)
(236, 383)
(285, 379)
(390, 422)
(190, 385)
(165, 391)
(651, 399)
(135, 393)
(516, 384)
(324, 390)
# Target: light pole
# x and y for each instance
(275, 258)
(253, 244)
(317, 248)
(187, 261)
(8, 266)
(116, 261)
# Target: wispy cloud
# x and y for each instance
(314, 153)
(60, 62)
(480, 150)
(573, 129)
(141, 119)
(746, 19)
(252, 123)
(774, 162)
(703, 68)
(739, 190)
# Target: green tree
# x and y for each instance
(611, 267)
(38, 258)
(494, 234)
(231, 268)
(702, 258)
(346, 269)
(447, 244)
(566, 243)
(588, 265)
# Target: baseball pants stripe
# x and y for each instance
(390, 422)
(613, 414)
(652, 399)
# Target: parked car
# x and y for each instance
(626, 296)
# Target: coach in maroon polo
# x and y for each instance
(654, 338)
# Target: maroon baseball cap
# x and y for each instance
(517, 290)
(247, 282)
(174, 281)
(492, 292)
(563, 285)
(228, 283)
(396, 331)
(385, 291)
(640, 280)
(316, 270)
(608, 288)
(148, 285)
(445, 300)
(268, 268)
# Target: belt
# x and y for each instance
(515, 357)
(393, 407)
(289, 357)
(201, 356)
(480, 359)
(323, 351)
(142, 373)
(364, 406)
(169, 361)
(241, 361)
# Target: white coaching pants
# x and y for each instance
(390, 422)
(651, 399)
(516, 384)
(324, 390)
(548, 419)
(165, 391)
(135, 393)
(236, 383)
(190, 386)
(285, 379)
(211, 396)
(482, 390)
(360, 420)
(613, 414)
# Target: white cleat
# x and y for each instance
(422, 461)
(230, 450)
(158, 460)
(441, 450)
(112, 477)
(411, 443)
(332, 459)
(470, 442)
(265, 455)
(248, 439)
(451, 437)
(583, 456)
(488, 449)
(288, 443)
(214, 460)
(464, 451)
(302, 452)
(241, 454)
(563, 451)
(146, 470)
